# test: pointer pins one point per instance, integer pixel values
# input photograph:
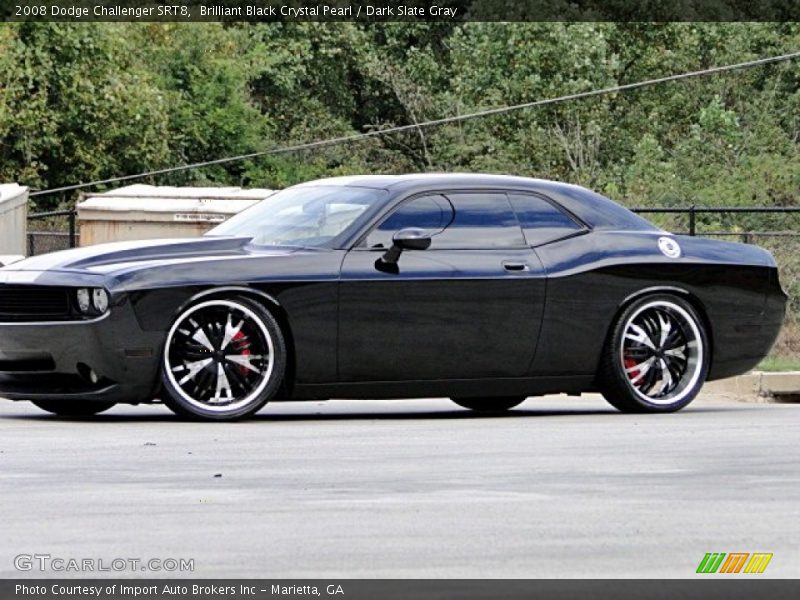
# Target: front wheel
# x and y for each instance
(493, 404)
(657, 356)
(73, 408)
(223, 359)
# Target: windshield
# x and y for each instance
(302, 216)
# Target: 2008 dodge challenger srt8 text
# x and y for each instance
(482, 288)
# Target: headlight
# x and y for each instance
(84, 300)
(91, 301)
(100, 300)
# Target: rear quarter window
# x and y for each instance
(541, 221)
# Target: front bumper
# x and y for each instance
(55, 360)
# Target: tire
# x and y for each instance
(73, 408)
(656, 357)
(223, 359)
(492, 404)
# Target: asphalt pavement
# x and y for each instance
(559, 487)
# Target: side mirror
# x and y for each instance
(410, 238)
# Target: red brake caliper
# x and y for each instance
(629, 362)
(243, 347)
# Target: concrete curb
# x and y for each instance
(759, 386)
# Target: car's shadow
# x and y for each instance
(337, 414)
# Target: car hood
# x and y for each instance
(123, 256)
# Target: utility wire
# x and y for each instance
(434, 123)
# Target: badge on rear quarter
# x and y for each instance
(669, 247)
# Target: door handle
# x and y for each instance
(510, 265)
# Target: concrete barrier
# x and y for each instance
(13, 218)
(758, 386)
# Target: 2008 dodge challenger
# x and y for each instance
(482, 288)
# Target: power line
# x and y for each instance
(434, 123)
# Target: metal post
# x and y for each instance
(72, 229)
(692, 215)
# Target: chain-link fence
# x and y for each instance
(51, 231)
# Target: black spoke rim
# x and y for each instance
(219, 355)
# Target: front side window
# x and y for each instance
(431, 213)
(455, 221)
(304, 216)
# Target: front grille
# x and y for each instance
(33, 302)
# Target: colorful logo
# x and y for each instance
(735, 562)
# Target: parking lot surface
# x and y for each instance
(560, 487)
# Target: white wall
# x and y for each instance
(13, 218)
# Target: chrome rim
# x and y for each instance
(219, 356)
(662, 352)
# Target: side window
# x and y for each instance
(483, 220)
(458, 221)
(541, 221)
(431, 213)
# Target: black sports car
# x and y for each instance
(486, 289)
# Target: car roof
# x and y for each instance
(592, 208)
(414, 180)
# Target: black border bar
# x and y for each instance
(401, 10)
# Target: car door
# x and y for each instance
(469, 306)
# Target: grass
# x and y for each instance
(779, 363)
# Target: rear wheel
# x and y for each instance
(657, 356)
(73, 408)
(223, 359)
(492, 404)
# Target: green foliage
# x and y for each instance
(74, 106)
(88, 101)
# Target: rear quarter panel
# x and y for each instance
(591, 277)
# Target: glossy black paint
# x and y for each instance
(445, 315)
(462, 322)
